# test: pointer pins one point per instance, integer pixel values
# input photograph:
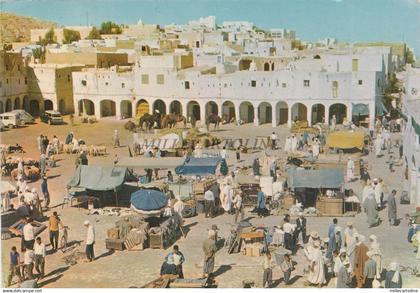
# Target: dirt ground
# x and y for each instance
(135, 268)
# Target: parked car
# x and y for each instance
(52, 117)
(23, 115)
(11, 119)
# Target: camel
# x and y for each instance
(213, 119)
(170, 120)
(150, 120)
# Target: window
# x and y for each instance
(253, 83)
(160, 79)
(122, 85)
(360, 82)
(19, 81)
(306, 83)
(7, 67)
(26, 80)
(145, 79)
(68, 77)
(106, 83)
(284, 85)
(84, 82)
(225, 85)
(187, 85)
(18, 67)
(0, 84)
(355, 65)
(7, 81)
(335, 89)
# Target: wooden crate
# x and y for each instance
(253, 249)
(115, 244)
(156, 241)
(200, 187)
(330, 206)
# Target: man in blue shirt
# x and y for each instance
(261, 203)
(14, 266)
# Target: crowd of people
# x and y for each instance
(344, 257)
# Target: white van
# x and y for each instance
(11, 119)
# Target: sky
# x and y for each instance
(346, 20)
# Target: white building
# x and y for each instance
(411, 109)
(13, 81)
(276, 97)
(283, 33)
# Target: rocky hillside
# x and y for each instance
(17, 28)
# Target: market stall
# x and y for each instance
(348, 141)
(320, 188)
(151, 204)
(104, 182)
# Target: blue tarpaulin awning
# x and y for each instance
(360, 109)
(148, 200)
(323, 178)
(198, 166)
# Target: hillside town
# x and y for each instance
(208, 155)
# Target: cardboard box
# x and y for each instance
(115, 244)
(113, 233)
(253, 249)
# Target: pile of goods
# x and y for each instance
(202, 137)
(302, 126)
(165, 234)
(129, 232)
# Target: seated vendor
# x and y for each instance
(173, 263)
(178, 258)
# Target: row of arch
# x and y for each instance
(33, 107)
(248, 112)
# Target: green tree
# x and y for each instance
(94, 34)
(49, 38)
(70, 36)
(38, 53)
(410, 57)
(224, 168)
(110, 28)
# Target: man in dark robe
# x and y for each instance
(392, 208)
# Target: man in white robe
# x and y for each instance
(294, 143)
(179, 207)
(375, 248)
(228, 194)
(350, 240)
(350, 170)
(316, 275)
(367, 189)
(377, 188)
(315, 149)
(378, 144)
(288, 145)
